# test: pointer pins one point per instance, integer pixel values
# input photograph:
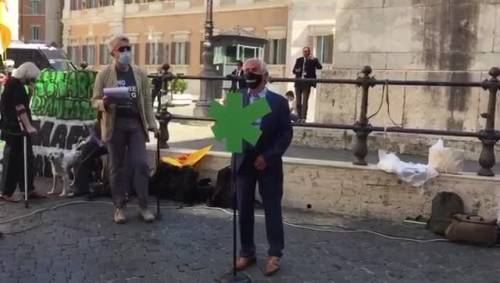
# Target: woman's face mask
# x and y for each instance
(125, 58)
(124, 54)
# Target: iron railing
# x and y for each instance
(362, 128)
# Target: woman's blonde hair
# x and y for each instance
(27, 71)
(115, 40)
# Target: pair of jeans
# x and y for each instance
(128, 159)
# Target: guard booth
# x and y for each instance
(234, 45)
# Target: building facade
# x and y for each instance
(32, 20)
(414, 40)
(40, 21)
(172, 30)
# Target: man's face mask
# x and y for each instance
(253, 80)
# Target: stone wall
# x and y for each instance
(411, 144)
(414, 40)
(341, 188)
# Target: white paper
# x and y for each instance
(116, 92)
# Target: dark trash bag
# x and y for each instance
(174, 183)
(204, 191)
(88, 167)
(223, 194)
(444, 206)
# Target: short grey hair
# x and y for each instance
(115, 40)
(262, 65)
(27, 71)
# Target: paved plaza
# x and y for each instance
(78, 242)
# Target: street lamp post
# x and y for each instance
(207, 87)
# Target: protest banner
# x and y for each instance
(62, 111)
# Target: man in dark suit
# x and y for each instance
(262, 163)
(158, 83)
(238, 72)
(305, 67)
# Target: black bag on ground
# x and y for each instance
(498, 235)
(444, 206)
(204, 190)
(88, 167)
(174, 183)
(223, 194)
(472, 229)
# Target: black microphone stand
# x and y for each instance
(235, 276)
(158, 212)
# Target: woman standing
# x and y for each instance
(15, 111)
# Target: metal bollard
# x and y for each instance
(362, 126)
(489, 136)
(164, 117)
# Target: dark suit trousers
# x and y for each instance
(13, 165)
(155, 93)
(271, 190)
(302, 96)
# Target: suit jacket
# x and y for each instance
(310, 70)
(108, 78)
(276, 135)
(238, 85)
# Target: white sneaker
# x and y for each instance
(147, 216)
(119, 217)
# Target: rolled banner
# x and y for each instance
(116, 92)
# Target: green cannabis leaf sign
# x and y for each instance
(234, 122)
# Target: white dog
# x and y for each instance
(62, 168)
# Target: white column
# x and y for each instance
(117, 27)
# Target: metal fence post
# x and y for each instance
(362, 128)
(163, 116)
(489, 136)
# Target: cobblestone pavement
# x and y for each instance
(79, 243)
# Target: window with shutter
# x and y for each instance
(76, 54)
(187, 52)
(324, 49)
(173, 53)
(148, 53)
(84, 53)
(167, 53)
(91, 55)
(275, 52)
(282, 52)
(201, 52)
(181, 56)
(69, 52)
(102, 54)
(329, 49)
(161, 54)
(135, 53)
(267, 53)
